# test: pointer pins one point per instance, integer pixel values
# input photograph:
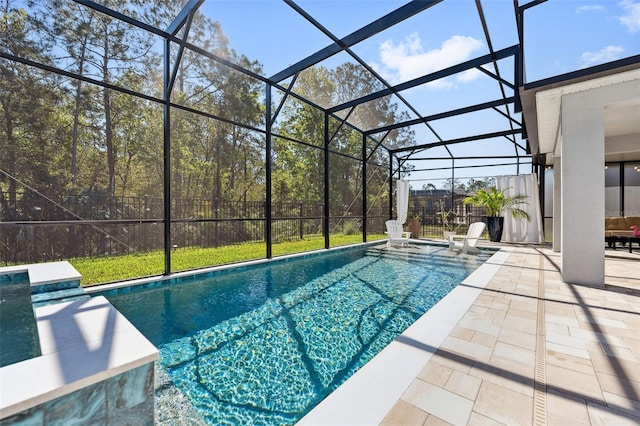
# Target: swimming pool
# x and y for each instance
(265, 344)
(18, 331)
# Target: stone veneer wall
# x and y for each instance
(125, 399)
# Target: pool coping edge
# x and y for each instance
(112, 344)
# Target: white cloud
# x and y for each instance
(631, 17)
(407, 59)
(590, 8)
(468, 75)
(609, 53)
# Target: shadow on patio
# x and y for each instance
(574, 359)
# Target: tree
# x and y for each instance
(302, 169)
(212, 158)
(96, 45)
(298, 168)
(71, 28)
(473, 185)
(31, 124)
(455, 184)
(428, 187)
(28, 101)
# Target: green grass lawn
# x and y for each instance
(98, 270)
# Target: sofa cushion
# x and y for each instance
(616, 223)
(633, 220)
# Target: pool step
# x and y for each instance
(58, 296)
(53, 276)
(54, 286)
(48, 283)
(54, 282)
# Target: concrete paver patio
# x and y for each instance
(534, 350)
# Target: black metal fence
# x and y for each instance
(438, 213)
(434, 229)
(35, 228)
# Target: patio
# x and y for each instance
(118, 160)
(574, 359)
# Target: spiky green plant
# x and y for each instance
(497, 203)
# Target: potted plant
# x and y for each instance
(448, 219)
(415, 223)
(496, 203)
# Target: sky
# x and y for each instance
(560, 36)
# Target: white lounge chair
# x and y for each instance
(396, 234)
(467, 243)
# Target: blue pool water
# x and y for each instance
(18, 330)
(265, 344)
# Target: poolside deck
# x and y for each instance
(531, 350)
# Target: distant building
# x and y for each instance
(428, 203)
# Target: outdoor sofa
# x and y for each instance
(618, 226)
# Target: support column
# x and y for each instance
(582, 189)
(327, 194)
(364, 188)
(268, 232)
(390, 186)
(557, 205)
(166, 153)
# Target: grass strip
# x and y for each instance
(100, 270)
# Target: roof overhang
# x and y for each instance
(541, 107)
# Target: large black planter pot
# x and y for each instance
(494, 227)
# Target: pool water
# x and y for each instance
(18, 330)
(265, 344)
